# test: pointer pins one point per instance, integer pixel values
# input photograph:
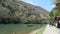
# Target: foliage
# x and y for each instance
(54, 13)
(15, 12)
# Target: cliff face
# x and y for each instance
(19, 11)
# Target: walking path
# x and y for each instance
(51, 30)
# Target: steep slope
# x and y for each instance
(35, 9)
(15, 11)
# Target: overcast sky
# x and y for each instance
(46, 4)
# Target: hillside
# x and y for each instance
(36, 9)
(15, 11)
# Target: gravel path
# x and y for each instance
(51, 30)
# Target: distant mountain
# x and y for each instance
(13, 11)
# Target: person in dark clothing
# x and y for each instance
(58, 26)
(50, 23)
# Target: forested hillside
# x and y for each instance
(55, 13)
(15, 11)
